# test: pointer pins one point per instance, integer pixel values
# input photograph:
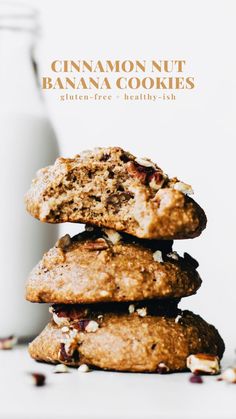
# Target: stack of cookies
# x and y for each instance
(115, 287)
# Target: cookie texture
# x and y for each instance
(101, 265)
(139, 339)
(109, 187)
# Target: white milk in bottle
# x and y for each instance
(27, 143)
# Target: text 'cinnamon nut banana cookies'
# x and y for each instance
(115, 287)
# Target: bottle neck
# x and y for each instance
(19, 88)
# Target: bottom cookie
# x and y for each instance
(138, 339)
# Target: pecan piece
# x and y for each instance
(8, 343)
(81, 324)
(147, 174)
(203, 364)
(63, 355)
(99, 244)
(196, 379)
(137, 171)
(156, 180)
(38, 378)
(162, 368)
(64, 242)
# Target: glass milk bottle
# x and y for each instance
(27, 143)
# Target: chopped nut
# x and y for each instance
(145, 163)
(84, 368)
(60, 321)
(157, 256)
(131, 308)
(60, 368)
(92, 326)
(140, 172)
(65, 329)
(162, 368)
(156, 180)
(112, 235)
(142, 312)
(203, 363)
(39, 379)
(229, 375)
(8, 342)
(67, 351)
(81, 324)
(177, 319)
(196, 379)
(173, 255)
(183, 187)
(99, 244)
(64, 242)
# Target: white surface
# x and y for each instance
(108, 395)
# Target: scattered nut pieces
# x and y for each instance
(8, 342)
(60, 368)
(131, 308)
(162, 368)
(177, 319)
(83, 368)
(38, 379)
(142, 312)
(229, 375)
(183, 187)
(157, 256)
(92, 326)
(203, 364)
(173, 255)
(196, 379)
(112, 235)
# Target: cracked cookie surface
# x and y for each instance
(109, 187)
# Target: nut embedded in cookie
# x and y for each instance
(100, 265)
(127, 342)
(109, 187)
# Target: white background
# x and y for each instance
(192, 137)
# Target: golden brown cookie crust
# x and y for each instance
(109, 187)
(127, 342)
(102, 265)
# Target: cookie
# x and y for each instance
(102, 265)
(129, 339)
(109, 187)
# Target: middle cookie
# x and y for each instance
(101, 265)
